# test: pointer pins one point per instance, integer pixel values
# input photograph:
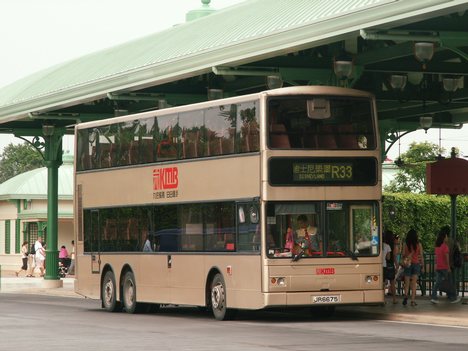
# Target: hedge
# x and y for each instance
(426, 214)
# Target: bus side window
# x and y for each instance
(167, 149)
(192, 239)
(191, 144)
(106, 152)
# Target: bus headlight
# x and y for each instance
(371, 278)
(278, 281)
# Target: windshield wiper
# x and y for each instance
(353, 255)
(298, 256)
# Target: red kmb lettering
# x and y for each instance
(165, 178)
(328, 270)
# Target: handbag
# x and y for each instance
(400, 275)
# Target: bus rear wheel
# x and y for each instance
(109, 293)
(129, 294)
(218, 299)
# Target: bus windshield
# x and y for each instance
(320, 122)
(322, 229)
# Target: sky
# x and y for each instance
(37, 34)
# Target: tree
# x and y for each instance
(17, 159)
(412, 174)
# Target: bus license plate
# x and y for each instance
(326, 299)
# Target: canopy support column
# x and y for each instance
(53, 160)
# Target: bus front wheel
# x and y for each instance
(218, 299)
(109, 293)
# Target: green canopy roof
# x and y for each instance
(249, 31)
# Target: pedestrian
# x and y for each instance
(390, 262)
(24, 258)
(63, 255)
(442, 268)
(71, 269)
(40, 256)
(413, 252)
(31, 260)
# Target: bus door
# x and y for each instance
(95, 242)
(248, 236)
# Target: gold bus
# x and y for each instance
(264, 200)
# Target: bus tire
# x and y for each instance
(218, 299)
(129, 299)
(109, 293)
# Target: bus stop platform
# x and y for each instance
(444, 313)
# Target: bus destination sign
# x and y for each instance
(322, 172)
(319, 171)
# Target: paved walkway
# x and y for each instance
(443, 313)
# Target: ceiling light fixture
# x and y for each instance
(423, 51)
(425, 122)
(214, 94)
(451, 84)
(274, 82)
(343, 68)
(48, 129)
(398, 81)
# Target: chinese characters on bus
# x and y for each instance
(322, 171)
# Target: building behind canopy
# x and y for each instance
(23, 211)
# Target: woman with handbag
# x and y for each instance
(413, 254)
(442, 268)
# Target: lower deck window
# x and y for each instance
(199, 227)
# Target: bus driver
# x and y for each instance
(307, 235)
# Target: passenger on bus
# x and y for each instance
(147, 246)
(307, 235)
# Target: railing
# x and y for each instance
(427, 279)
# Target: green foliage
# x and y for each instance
(426, 214)
(17, 159)
(412, 176)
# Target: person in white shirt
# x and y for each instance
(40, 255)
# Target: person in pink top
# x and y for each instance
(412, 249)
(442, 266)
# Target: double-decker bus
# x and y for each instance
(265, 200)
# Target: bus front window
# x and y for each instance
(321, 123)
(322, 229)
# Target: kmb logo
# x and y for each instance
(165, 178)
(326, 271)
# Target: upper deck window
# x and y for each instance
(321, 122)
(224, 129)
